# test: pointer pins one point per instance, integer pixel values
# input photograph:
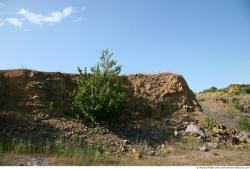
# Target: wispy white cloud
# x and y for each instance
(79, 19)
(53, 17)
(14, 21)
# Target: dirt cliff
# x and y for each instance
(24, 90)
(158, 95)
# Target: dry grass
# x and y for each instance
(181, 152)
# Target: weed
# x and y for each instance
(234, 110)
(243, 123)
(51, 106)
(238, 106)
(147, 110)
(36, 104)
(209, 123)
(231, 111)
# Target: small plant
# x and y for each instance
(209, 123)
(51, 106)
(243, 123)
(141, 145)
(238, 106)
(147, 110)
(234, 110)
(36, 104)
(99, 95)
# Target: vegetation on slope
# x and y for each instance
(232, 89)
(99, 95)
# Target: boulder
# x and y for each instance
(243, 137)
(194, 129)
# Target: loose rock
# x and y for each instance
(212, 145)
(204, 149)
(138, 156)
(151, 153)
(195, 130)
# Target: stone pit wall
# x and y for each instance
(157, 95)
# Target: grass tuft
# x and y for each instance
(243, 123)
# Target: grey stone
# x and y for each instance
(191, 128)
(212, 145)
(176, 133)
(151, 153)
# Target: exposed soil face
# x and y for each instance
(159, 95)
(26, 90)
(149, 95)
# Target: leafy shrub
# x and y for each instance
(99, 95)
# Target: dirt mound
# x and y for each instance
(36, 105)
(159, 95)
(155, 96)
(236, 88)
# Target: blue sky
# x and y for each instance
(208, 42)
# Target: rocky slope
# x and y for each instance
(225, 108)
(36, 105)
(161, 108)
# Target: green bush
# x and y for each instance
(99, 95)
(245, 89)
(211, 89)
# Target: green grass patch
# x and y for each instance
(209, 123)
(77, 150)
(238, 106)
(243, 123)
(234, 110)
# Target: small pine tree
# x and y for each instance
(99, 95)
